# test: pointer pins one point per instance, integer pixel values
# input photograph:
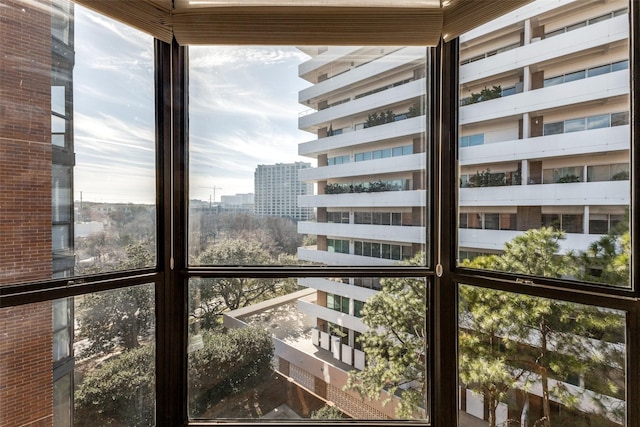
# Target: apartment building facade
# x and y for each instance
(367, 114)
(277, 188)
(36, 176)
(544, 124)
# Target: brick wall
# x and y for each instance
(26, 383)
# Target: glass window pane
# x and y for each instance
(552, 81)
(600, 121)
(620, 119)
(578, 75)
(58, 100)
(270, 356)
(57, 124)
(553, 128)
(274, 163)
(596, 71)
(558, 141)
(112, 363)
(94, 86)
(501, 336)
(58, 140)
(574, 125)
(620, 65)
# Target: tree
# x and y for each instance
(535, 252)
(283, 235)
(228, 362)
(538, 340)
(608, 259)
(118, 317)
(395, 344)
(209, 298)
(327, 412)
(483, 360)
(121, 390)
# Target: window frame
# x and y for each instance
(172, 272)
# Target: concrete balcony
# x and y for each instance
(333, 316)
(408, 163)
(494, 240)
(401, 59)
(567, 44)
(339, 288)
(385, 233)
(365, 200)
(406, 129)
(600, 88)
(380, 101)
(334, 53)
(606, 193)
(338, 259)
(596, 141)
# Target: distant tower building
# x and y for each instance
(238, 203)
(277, 188)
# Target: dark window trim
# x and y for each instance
(172, 273)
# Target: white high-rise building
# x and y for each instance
(367, 112)
(544, 124)
(277, 188)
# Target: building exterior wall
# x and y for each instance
(277, 188)
(26, 378)
(367, 117)
(536, 56)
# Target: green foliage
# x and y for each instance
(327, 413)
(565, 179)
(120, 391)
(380, 118)
(395, 344)
(621, 176)
(515, 338)
(535, 252)
(209, 298)
(417, 109)
(486, 94)
(228, 362)
(371, 187)
(483, 357)
(608, 259)
(119, 317)
(487, 179)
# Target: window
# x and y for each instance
(166, 263)
(547, 239)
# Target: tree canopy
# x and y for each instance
(509, 340)
(395, 344)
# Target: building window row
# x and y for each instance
(382, 250)
(323, 105)
(586, 73)
(338, 303)
(378, 218)
(490, 53)
(336, 245)
(338, 160)
(586, 22)
(487, 221)
(587, 123)
(383, 154)
(383, 88)
(595, 173)
(368, 282)
(471, 140)
(569, 223)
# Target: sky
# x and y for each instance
(243, 111)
